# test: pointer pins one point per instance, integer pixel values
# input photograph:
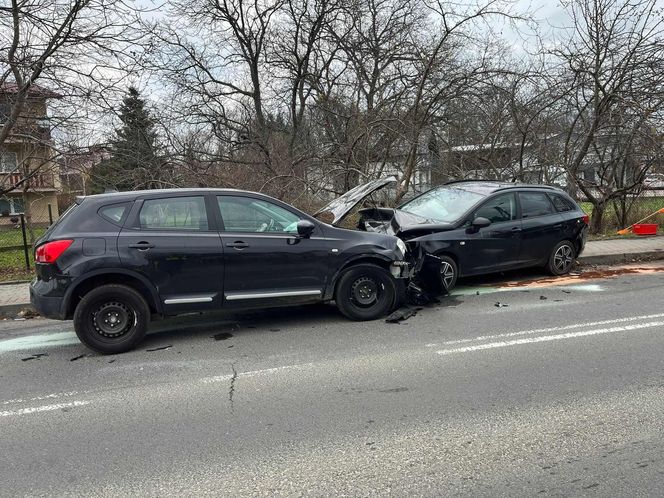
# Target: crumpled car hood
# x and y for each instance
(343, 205)
(404, 223)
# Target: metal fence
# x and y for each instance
(15, 249)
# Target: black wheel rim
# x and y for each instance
(563, 258)
(446, 274)
(113, 319)
(365, 292)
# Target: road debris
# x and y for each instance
(543, 298)
(160, 348)
(222, 336)
(80, 356)
(500, 305)
(401, 314)
(35, 356)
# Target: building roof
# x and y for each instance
(35, 91)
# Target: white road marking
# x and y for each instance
(43, 408)
(549, 329)
(546, 338)
(254, 373)
(40, 398)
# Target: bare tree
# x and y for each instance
(614, 85)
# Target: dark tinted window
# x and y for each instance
(561, 203)
(114, 212)
(535, 204)
(246, 214)
(500, 208)
(175, 213)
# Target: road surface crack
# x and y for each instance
(231, 389)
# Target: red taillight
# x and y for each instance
(586, 219)
(51, 251)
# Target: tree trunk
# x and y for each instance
(597, 218)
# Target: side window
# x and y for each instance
(500, 208)
(245, 214)
(561, 204)
(114, 212)
(175, 213)
(535, 204)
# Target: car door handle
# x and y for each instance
(516, 229)
(141, 246)
(238, 244)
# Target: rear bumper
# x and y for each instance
(48, 306)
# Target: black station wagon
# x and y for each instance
(114, 261)
(466, 228)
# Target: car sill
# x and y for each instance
(187, 300)
(267, 295)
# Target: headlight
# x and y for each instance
(401, 248)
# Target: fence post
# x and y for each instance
(25, 243)
(50, 215)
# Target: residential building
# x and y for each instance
(27, 166)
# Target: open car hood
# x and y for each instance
(343, 205)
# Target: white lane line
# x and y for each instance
(254, 373)
(546, 338)
(44, 408)
(549, 329)
(40, 398)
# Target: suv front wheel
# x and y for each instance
(111, 319)
(365, 292)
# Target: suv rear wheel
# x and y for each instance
(365, 292)
(111, 319)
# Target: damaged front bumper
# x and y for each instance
(401, 269)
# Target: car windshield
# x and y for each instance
(444, 204)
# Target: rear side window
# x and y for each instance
(175, 213)
(561, 203)
(114, 213)
(535, 204)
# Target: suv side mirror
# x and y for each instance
(305, 228)
(479, 222)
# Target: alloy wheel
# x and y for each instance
(447, 274)
(563, 258)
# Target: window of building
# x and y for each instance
(11, 206)
(7, 161)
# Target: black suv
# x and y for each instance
(113, 261)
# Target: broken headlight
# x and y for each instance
(401, 249)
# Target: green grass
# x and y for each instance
(14, 236)
(12, 265)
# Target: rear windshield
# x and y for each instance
(446, 204)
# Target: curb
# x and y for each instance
(621, 258)
(10, 310)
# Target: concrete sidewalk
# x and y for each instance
(15, 297)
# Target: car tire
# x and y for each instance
(365, 292)
(561, 259)
(449, 272)
(111, 319)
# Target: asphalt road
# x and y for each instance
(561, 392)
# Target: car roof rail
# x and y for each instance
(479, 180)
(527, 185)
